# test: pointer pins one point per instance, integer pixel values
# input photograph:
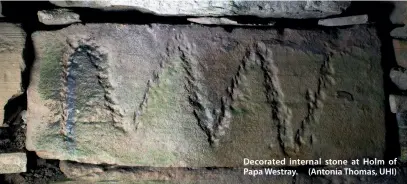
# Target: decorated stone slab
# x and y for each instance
(160, 95)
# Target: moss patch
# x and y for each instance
(51, 69)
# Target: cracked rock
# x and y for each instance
(275, 9)
(58, 17)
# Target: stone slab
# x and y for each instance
(399, 33)
(344, 21)
(193, 96)
(223, 21)
(276, 9)
(13, 163)
(58, 17)
(12, 41)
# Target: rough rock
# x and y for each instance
(344, 21)
(58, 17)
(276, 9)
(400, 52)
(399, 78)
(12, 163)
(12, 40)
(223, 21)
(161, 95)
(397, 103)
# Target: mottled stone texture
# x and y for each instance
(276, 9)
(12, 40)
(13, 163)
(400, 52)
(195, 96)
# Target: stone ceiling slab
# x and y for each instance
(274, 9)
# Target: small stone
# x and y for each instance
(58, 17)
(344, 21)
(400, 32)
(399, 78)
(222, 21)
(397, 103)
(13, 163)
(400, 52)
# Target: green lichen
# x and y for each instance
(51, 71)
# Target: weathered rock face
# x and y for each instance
(12, 40)
(192, 96)
(13, 163)
(277, 9)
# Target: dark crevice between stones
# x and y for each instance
(384, 27)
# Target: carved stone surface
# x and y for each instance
(192, 96)
(12, 40)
